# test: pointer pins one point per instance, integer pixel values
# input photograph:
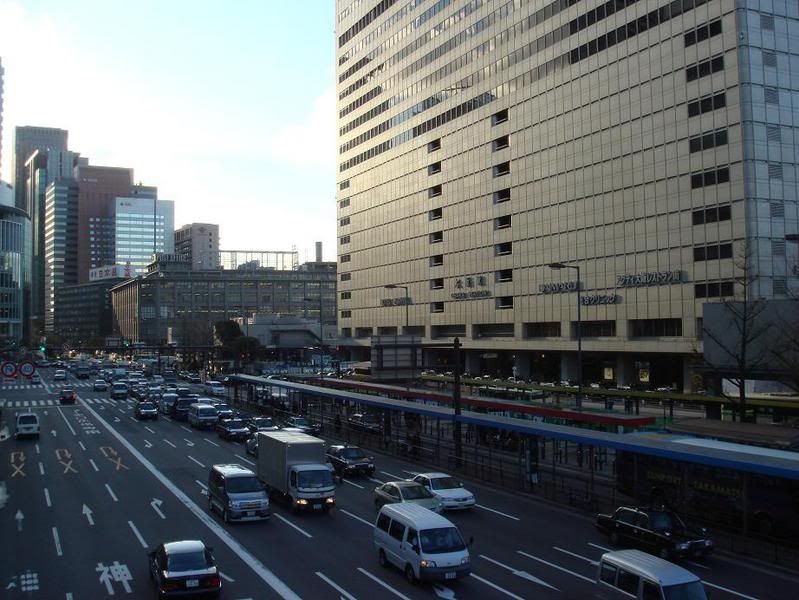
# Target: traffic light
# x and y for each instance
(42, 348)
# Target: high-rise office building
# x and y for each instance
(142, 227)
(649, 143)
(61, 242)
(14, 268)
(2, 79)
(199, 243)
(26, 141)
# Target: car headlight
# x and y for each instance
(682, 546)
(426, 564)
(465, 560)
(233, 504)
(330, 500)
(301, 501)
(708, 542)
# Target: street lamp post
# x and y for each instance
(558, 266)
(394, 286)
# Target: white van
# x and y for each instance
(214, 388)
(423, 544)
(27, 425)
(202, 416)
(636, 574)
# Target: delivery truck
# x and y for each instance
(294, 467)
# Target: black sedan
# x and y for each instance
(657, 531)
(146, 410)
(184, 568)
(232, 429)
(256, 424)
(67, 396)
(350, 460)
(304, 424)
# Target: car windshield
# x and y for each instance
(663, 521)
(187, 561)
(235, 424)
(445, 483)
(301, 422)
(262, 423)
(685, 591)
(314, 479)
(415, 492)
(243, 485)
(146, 406)
(221, 407)
(442, 540)
(352, 453)
(27, 419)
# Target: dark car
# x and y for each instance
(184, 568)
(232, 429)
(180, 409)
(350, 460)
(223, 410)
(67, 396)
(146, 410)
(303, 424)
(365, 423)
(657, 531)
(256, 424)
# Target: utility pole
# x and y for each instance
(456, 403)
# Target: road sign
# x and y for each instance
(9, 369)
(27, 368)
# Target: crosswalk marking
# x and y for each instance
(54, 402)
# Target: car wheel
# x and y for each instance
(410, 576)
(614, 538)
(382, 559)
(210, 504)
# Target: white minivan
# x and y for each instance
(214, 388)
(202, 416)
(27, 425)
(636, 574)
(421, 543)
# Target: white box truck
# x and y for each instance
(294, 467)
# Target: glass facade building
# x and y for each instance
(14, 268)
(652, 143)
(139, 223)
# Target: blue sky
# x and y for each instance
(228, 107)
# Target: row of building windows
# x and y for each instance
(710, 177)
(704, 68)
(708, 140)
(703, 32)
(712, 252)
(365, 20)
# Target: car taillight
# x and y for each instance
(213, 581)
(169, 586)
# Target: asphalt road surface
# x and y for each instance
(80, 508)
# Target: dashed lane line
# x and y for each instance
(385, 585)
(335, 586)
(290, 524)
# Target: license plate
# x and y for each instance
(317, 507)
(450, 575)
(249, 513)
(196, 582)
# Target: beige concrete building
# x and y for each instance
(647, 142)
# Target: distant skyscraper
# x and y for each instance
(2, 73)
(14, 267)
(26, 141)
(61, 242)
(199, 242)
(140, 231)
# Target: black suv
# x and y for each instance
(350, 460)
(655, 530)
(232, 429)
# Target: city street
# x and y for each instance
(81, 506)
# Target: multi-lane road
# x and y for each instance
(80, 507)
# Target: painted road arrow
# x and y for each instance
(443, 592)
(52, 432)
(156, 503)
(147, 444)
(88, 512)
(188, 442)
(19, 516)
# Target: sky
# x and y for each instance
(227, 107)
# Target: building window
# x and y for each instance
(344, 185)
(500, 143)
(434, 168)
(767, 22)
(715, 289)
(503, 275)
(502, 196)
(346, 295)
(345, 258)
(345, 239)
(771, 95)
(769, 59)
(344, 203)
(437, 284)
(712, 252)
(346, 276)
(436, 307)
(773, 133)
(712, 177)
(344, 221)
(655, 328)
(502, 222)
(502, 169)
(780, 286)
(712, 215)
(503, 249)
(707, 104)
(435, 214)
(504, 302)
(346, 314)
(774, 171)
(437, 260)
(499, 117)
(542, 329)
(708, 140)
(703, 32)
(434, 191)
(346, 332)
(436, 237)
(778, 247)
(704, 68)
(434, 145)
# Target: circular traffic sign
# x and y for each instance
(9, 369)
(27, 368)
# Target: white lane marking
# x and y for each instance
(729, 591)
(212, 443)
(598, 547)
(411, 473)
(94, 466)
(498, 512)
(129, 417)
(61, 412)
(41, 468)
(360, 487)
(37, 448)
(335, 586)
(364, 521)
(385, 585)
(57, 541)
(82, 447)
(519, 573)
(137, 534)
(373, 480)
(170, 443)
(246, 557)
(47, 498)
(554, 566)
(195, 460)
(148, 429)
(247, 460)
(184, 428)
(697, 565)
(496, 587)
(69, 596)
(290, 524)
(110, 491)
(575, 555)
(201, 484)
(398, 477)
(226, 577)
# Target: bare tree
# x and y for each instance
(734, 344)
